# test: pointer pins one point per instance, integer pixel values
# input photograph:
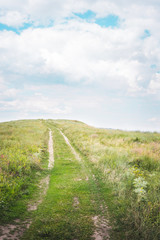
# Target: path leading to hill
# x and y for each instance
(44, 183)
(102, 226)
(73, 207)
(15, 230)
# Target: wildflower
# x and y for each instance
(140, 186)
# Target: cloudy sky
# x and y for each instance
(97, 61)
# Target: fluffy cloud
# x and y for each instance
(52, 100)
(154, 86)
(44, 12)
(13, 19)
(48, 43)
(79, 51)
(34, 104)
(2, 85)
(154, 119)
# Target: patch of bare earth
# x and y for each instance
(16, 230)
(50, 149)
(102, 228)
(75, 202)
(43, 185)
(81, 179)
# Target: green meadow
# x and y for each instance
(22, 149)
(117, 179)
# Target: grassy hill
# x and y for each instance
(122, 171)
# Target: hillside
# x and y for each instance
(104, 183)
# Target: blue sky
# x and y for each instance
(108, 21)
(95, 61)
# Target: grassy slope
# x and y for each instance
(128, 163)
(23, 146)
(60, 216)
(126, 168)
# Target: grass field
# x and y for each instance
(23, 145)
(118, 169)
(129, 164)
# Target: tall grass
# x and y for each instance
(129, 163)
(21, 145)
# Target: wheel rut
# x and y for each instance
(102, 227)
(16, 230)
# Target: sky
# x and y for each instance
(97, 61)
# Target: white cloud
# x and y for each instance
(154, 119)
(13, 19)
(154, 86)
(43, 12)
(79, 51)
(10, 92)
(1, 80)
(34, 104)
(3, 86)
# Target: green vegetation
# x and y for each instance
(23, 148)
(129, 164)
(118, 169)
(72, 199)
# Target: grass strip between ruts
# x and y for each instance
(67, 211)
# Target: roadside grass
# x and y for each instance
(128, 164)
(118, 169)
(72, 199)
(23, 155)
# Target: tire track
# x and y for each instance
(16, 230)
(101, 224)
(50, 149)
(72, 149)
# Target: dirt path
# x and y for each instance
(50, 149)
(44, 183)
(15, 230)
(101, 224)
(72, 149)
